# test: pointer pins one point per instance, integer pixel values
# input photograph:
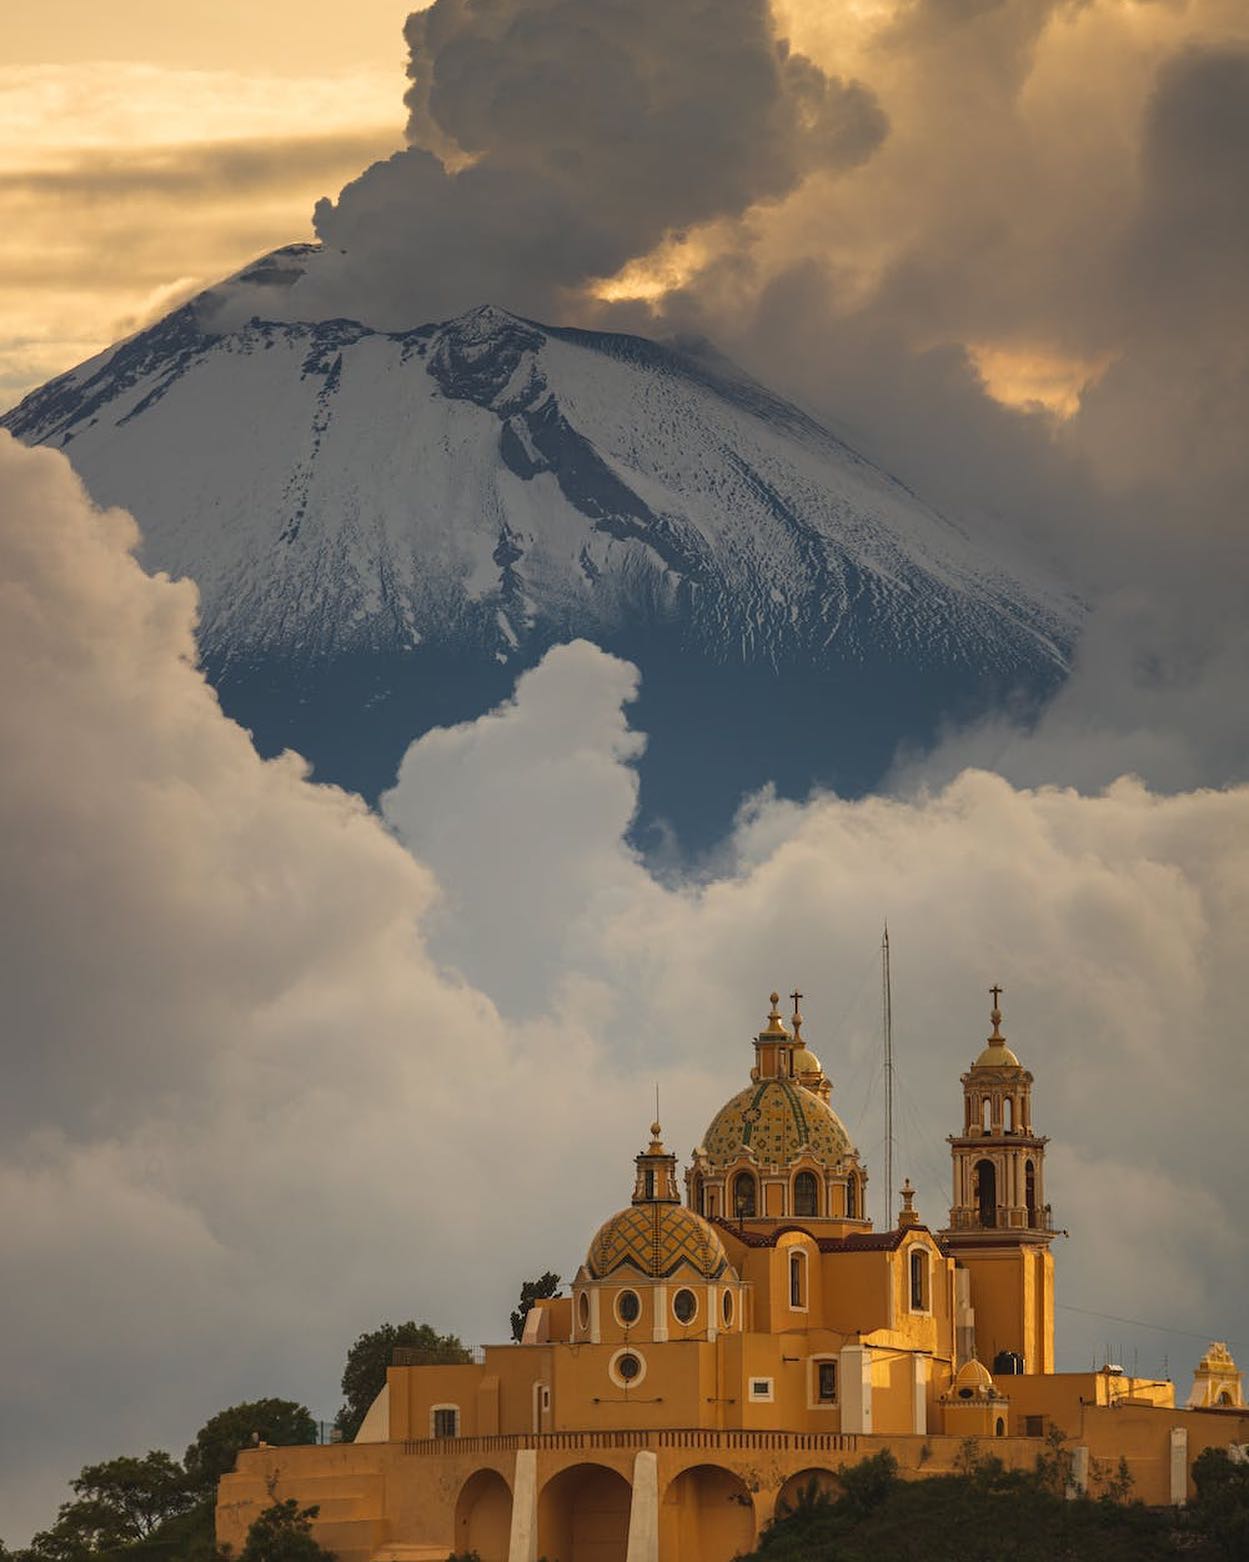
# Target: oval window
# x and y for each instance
(726, 1307)
(628, 1307)
(583, 1309)
(628, 1366)
(685, 1305)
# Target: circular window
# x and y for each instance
(726, 1307)
(966, 1393)
(684, 1305)
(627, 1368)
(583, 1309)
(628, 1307)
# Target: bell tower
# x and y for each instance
(1000, 1225)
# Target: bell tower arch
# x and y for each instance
(1000, 1226)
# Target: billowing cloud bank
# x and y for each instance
(552, 141)
(269, 1079)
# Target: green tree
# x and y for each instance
(1220, 1512)
(118, 1502)
(530, 1292)
(217, 1443)
(364, 1376)
(283, 1533)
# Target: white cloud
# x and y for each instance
(251, 1109)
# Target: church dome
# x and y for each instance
(973, 1380)
(655, 1240)
(778, 1120)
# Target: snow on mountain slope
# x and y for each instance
(394, 508)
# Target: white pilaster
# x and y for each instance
(855, 1389)
(1078, 1485)
(659, 1298)
(523, 1542)
(1179, 1465)
(643, 1510)
(919, 1392)
(595, 1298)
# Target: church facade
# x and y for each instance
(740, 1332)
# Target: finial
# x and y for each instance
(907, 1215)
(996, 1014)
(776, 1025)
(908, 1194)
(796, 1022)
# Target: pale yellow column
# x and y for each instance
(523, 1542)
(643, 1510)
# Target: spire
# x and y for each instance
(996, 1053)
(796, 1022)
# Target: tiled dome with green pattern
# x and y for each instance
(777, 1119)
(656, 1240)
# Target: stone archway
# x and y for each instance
(804, 1487)
(483, 1517)
(707, 1514)
(583, 1515)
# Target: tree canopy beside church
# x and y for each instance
(987, 1513)
(364, 1376)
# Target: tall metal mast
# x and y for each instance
(886, 998)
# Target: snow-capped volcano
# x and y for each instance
(386, 527)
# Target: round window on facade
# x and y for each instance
(627, 1368)
(726, 1308)
(685, 1305)
(583, 1309)
(628, 1307)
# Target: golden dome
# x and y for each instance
(996, 1053)
(806, 1062)
(656, 1240)
(974, 1376)
(777, 1119)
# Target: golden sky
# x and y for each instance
(145, 149)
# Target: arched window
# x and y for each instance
(986, 1192)
(700, 1196)
(806, 1194)
(797, 1279)
(649, 1178)
(852, 1198)
(744, 1196)
(986, 1114)
(1008, 1115)
(1000, 1429)
(1029, 1191)
(919, 1280)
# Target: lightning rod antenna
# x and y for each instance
(886, 999)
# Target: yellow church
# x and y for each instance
(728, 1343)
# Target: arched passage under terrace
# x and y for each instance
(483, 1517)
(807, 1486)
(707, 1513)
(583, 1515)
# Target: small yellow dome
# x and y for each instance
(656, 1240)
(806, 1062)
(975, 1377)
(997, 1055)
(777, 1119)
